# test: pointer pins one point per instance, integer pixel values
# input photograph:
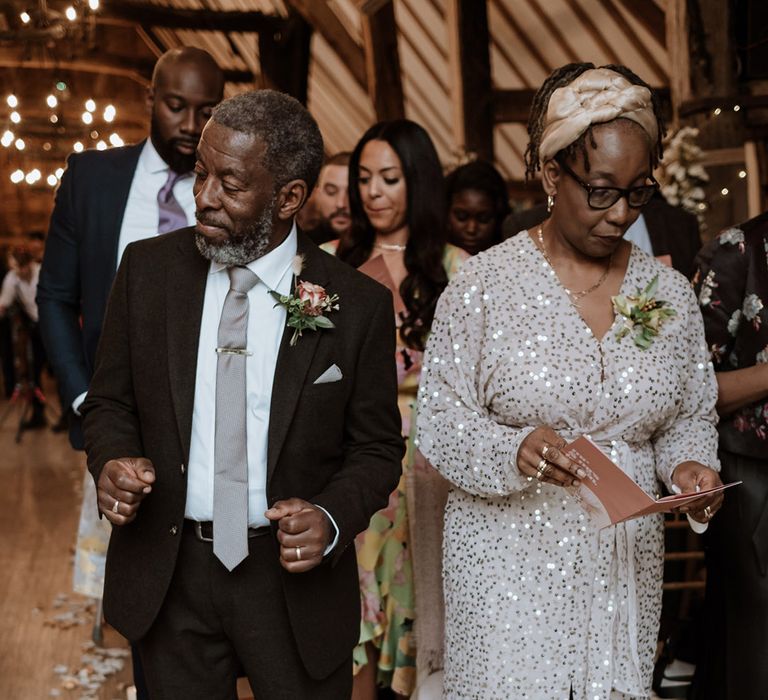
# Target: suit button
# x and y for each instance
(183, 469)
(173, 529)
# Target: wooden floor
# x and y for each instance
(40, 485)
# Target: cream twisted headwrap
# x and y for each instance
(598, 95)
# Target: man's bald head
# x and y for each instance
(186, 85)
(188, 58)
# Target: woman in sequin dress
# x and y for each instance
(398, 237)
(525, 356)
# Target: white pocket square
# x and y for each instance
(332, 374)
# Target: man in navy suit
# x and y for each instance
(108, 199)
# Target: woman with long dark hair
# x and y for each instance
(398, 237)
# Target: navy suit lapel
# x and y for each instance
(185, 291)
(293, 362)
(113, 199)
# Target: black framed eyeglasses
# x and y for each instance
(606, 197)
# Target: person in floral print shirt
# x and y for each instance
(732, 286)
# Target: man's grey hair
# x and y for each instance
(292, 139)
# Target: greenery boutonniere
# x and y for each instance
(307, 304)
(643, 314)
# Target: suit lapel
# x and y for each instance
(113, 199)
(187, 274)
(293, 362)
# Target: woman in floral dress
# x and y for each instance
(397, 237)
(526, 354)
(732, 283)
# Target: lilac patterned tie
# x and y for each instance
(172, 216)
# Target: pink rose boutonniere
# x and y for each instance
(307, 304)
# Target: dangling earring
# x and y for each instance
(550, 203)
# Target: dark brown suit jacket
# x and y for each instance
(672, 230)
(338, 444)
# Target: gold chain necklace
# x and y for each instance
(574, 297)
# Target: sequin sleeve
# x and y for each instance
(690, 434)
(456, 431)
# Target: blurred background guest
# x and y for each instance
(19, 289)
(398, 237)
(478, 203)
(329, 202)
(524, 357)
(732, 283)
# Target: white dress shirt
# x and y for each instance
(142, 212)
(14, 288)
(266, 323)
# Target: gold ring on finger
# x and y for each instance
(541, 469)
(116, 507)
(546, 450)
(298, 553)
(708, 513)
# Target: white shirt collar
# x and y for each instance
(271, 268)
(151, 161)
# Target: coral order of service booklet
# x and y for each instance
(610, 496)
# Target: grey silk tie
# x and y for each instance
(230, 482)
(171, 215)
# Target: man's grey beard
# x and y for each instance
(251, 246)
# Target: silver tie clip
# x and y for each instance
(233, 351)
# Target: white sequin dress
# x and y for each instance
(537, 599)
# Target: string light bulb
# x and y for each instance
(78, 147)
(736, 108)
(20, 145)
(59, 172)
(87, 118)
(90, 105)
(115, 140)
(12, 101)
(70, 13)
(7, 138)
(101, 146)
(52, 180)
(742, 174)
(93, 4)
(15, 117)
(53, 119)
(25, 18)
(51, 101)
(717, 111)
(724, 192)
(17, 176)
(109, 113)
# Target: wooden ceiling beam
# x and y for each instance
(136, 70)
(382, 63)
(651, 16)
(470, 58)
(151, 15)
(325, 21)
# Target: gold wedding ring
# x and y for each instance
(298, 553)
(546, 450)
(708, 513)
(116, 507)
(541, 469)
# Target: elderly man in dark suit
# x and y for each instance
(242, 426)
(669, 233)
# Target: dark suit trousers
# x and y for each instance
(214, 621)
(734, 639)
